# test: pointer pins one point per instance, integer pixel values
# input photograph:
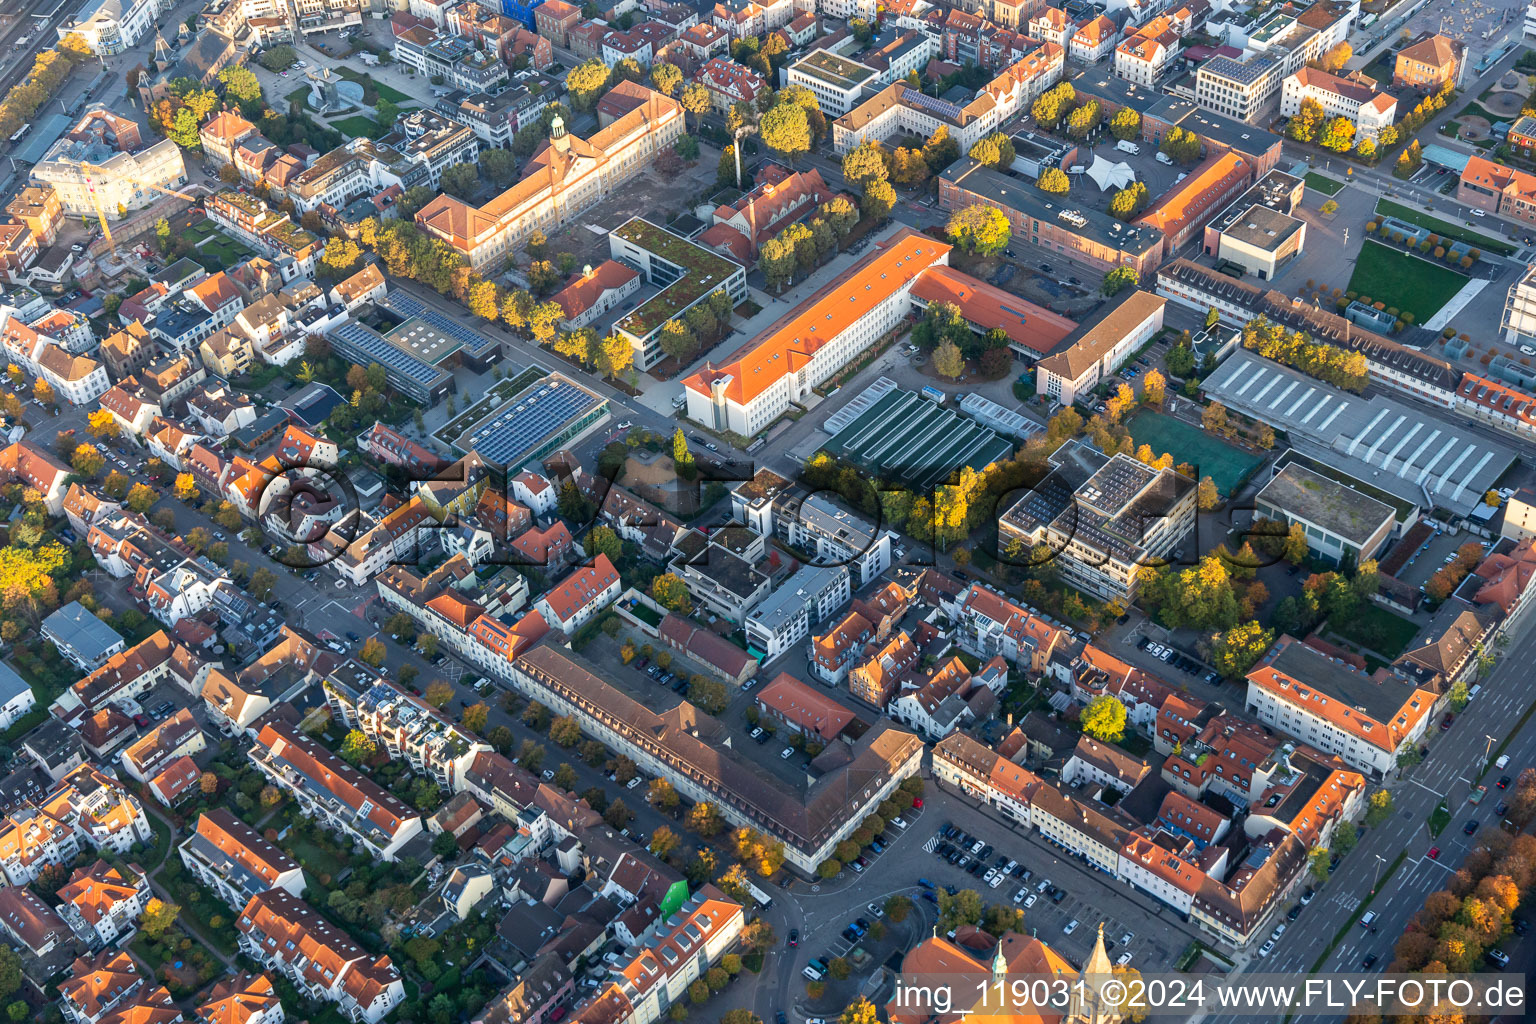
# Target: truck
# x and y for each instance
(933, 394)
(1128, 147)
(1478, 792)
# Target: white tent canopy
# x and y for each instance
(1107, 175)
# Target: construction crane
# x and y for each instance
(87, 169)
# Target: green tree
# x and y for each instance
(948, 360)
(669, 591)
(1084, 119)
(786, 130)
(586, 82)
(1239, 648)
(1117, 280)
(1345, 836)
(979, 229)
(1104, 718)
(666, 78)
(357, 748)
(530, 755)
(878, 200)
(1054, 181)
(565, 730)
(1126, 124)
(1338, 134)
(1378, 807)
(864, 163)
(601, 540)
(1317, 864)
(158, 916)
(1304, 124)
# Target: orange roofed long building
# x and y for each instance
(760, 381)
(565, 177)
(1366, 720)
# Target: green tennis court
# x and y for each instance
(1226, 465)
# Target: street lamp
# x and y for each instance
(1489, 748)
(1377, 876)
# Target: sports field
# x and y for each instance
(1226, 465)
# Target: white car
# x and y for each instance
(1479, 213)
(990, 875)
(625, 425)
(1267, 948)
(1070, 927)
(998, 880)
(1122, 959)
(787, 753)
(632, 783)
(549, 776)
(1029, 900)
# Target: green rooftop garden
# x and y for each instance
(703, 273)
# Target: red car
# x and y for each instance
(1445, 723)
(917, 804)
(1434, 853)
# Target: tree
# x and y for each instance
(43, 391)
(1338, 135)
(664, 841)
(695, 99)
(1214, 418)
(357, 747)
(565, 731)
(1084, 119)
(261, 584)
(102, 425)
(1054, 181)
(948, 360)
(1378, 807)
(669, 591)
(1317, 864)
(372, 652)
(342, 256)
(617, 814)
(499, 165)
(1117, 280)
(758, 936)
(786, 130)
(438, 693)
(1154, 387)
(158, 916)
(185, 488)
(860, 1011)
(1345, 836)
(897, 908)
(1239, 648)
(1305, 123)
(1104, 718)
(979, 229)
(661, 795)
(1128, 202)
(87, 460)
(878, 199)
(940, 150)
(586, 82)
(530, 755)
(704, 819)
(1126, 124)
(666, 78)
(1207, 497)
(474, 717)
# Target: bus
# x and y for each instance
(763, 899)
(20, 133)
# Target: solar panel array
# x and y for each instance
(528, 419)
(408, 307)
(932, 104)
(364, 345)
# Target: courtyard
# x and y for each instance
(1409, 283)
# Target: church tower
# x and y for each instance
(1096, 971)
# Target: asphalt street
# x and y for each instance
(1452, 767)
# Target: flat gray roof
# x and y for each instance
(1407, 450)
(1327, 503)
(1262, 228)
(78, 627)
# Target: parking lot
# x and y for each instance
(1433, 556)
(1157, 935)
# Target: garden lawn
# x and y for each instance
(1226, 465)
(1376, 628)
(1324, 184)
(1442, 228)
(317, 861)
(1411, 284)
(358, 126)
